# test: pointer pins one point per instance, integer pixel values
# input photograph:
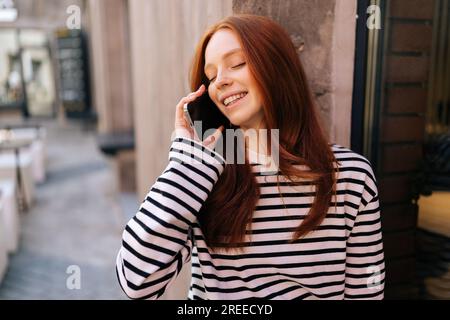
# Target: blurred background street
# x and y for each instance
(77, 219)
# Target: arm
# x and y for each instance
(364, 272)
(157, 241)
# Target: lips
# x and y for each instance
(231, 94)
(235, 102)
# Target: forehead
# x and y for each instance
(220, 43)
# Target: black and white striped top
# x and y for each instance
(342, 259)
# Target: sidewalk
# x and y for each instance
(76, 220)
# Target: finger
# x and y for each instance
(201, 88)
(179, 117)
(211, 140)
(179, 112)
(189, 98)
(197, 93)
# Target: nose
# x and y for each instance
(222, 80)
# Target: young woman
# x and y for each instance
(311, 230)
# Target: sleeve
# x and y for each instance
(365, 269)
(157, 241)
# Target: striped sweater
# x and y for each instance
(342, 259)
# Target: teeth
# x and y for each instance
(229, 100)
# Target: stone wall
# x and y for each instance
(324, 33)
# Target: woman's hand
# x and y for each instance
(182, 127)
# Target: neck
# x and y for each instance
(256, 140)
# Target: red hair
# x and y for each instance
(288, 106)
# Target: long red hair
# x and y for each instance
(288, 105)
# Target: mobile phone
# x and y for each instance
(203, 114)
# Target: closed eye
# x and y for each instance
(241, 64)
(234, 67)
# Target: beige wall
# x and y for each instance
(343, 55)
(163, 38)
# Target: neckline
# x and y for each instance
(257, 157)
(263, 164)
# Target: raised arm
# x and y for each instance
(157, 241)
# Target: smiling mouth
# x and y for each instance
(230, 101)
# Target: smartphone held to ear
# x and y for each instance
(202, 115)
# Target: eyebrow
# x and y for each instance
(225, 55)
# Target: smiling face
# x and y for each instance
(231, 85)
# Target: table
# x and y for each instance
(37, 135)
(3, 250)
(15, 146)
(10, 218)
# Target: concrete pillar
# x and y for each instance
(163, 38)
(343, 55)
(324, 32)
(111, 74)
(109, 44)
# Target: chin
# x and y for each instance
(239, 123)
(238, 119)
(243, 119)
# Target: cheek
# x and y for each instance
(216, 102)
(255, 96)
(211, 95)
(249, 82)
